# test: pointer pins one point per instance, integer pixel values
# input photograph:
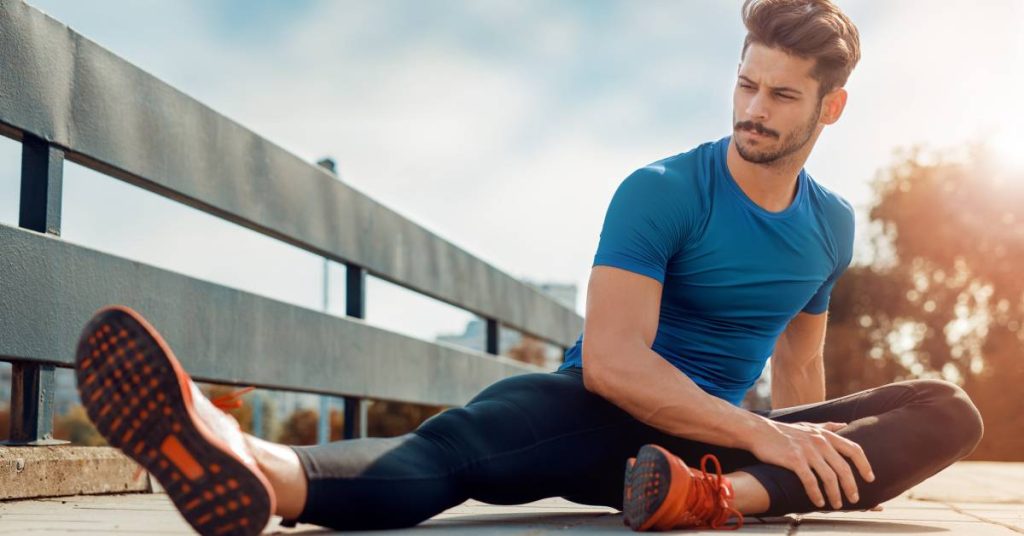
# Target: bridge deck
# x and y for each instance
(970, 498)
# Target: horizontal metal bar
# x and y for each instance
(114, 117)
(50, 288)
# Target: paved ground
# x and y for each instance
(970, 498)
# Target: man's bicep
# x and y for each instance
(622, 310)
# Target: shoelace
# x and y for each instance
(231, 400)
(223, 402)
(713, 499)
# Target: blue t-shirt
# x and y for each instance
(733, 273)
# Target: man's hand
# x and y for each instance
(808, 448)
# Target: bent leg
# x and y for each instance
(521, 439)
(909, 431)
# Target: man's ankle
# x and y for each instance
(749, 496)
(281, 466)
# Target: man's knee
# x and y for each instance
(953, 412)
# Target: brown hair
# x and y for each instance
(813, 29)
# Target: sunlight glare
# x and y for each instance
(1008, 148)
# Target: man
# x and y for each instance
(709, 261)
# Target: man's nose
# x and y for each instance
(757, 109)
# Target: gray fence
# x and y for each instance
(66, 98)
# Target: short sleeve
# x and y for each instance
(844, 233)
(645, 224)
(819, 302)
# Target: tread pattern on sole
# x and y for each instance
(647, 484)
(136, 400)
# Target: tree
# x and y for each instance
(300, 428)
(943, 296)
(389, 419)
(530, 350)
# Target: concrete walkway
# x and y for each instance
(970, 498)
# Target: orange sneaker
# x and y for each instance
(142, 401)
(661, 493)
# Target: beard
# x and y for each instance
(790, 143)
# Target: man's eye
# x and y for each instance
(785, 97)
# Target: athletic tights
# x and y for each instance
(541, 435)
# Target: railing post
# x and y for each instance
(355, 291)
(355, 306)
(324, 425)
(32, 384)
(492, 337)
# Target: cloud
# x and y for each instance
(504, 126)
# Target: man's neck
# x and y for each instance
(770, 187)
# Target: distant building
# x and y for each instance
(563, 293)
(474, 335)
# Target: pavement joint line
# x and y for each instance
(959, 510)
(972, 501)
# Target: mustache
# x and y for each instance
(756, 127)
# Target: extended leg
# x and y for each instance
(522, 439)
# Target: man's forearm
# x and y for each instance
(793, 385)
(658, 394)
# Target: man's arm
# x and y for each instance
(798, 365)
(618, 364)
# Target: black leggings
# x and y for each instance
(541, 435)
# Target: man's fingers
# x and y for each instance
(829, 479)
(856, 454)
(833, 426)
(810, 485)
(843, 472)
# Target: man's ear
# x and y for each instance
(832, 105)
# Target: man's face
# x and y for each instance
(776, 109)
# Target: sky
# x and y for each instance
(505, 126)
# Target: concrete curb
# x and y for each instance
(54, 471)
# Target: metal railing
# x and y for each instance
(66, 98)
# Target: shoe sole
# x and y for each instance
(137, 395)
(647, 483)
